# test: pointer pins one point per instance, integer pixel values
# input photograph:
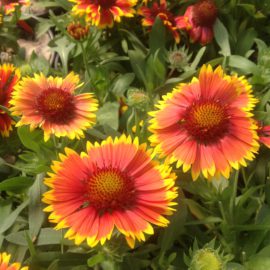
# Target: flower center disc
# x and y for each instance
(110, 189)
(56, 105)
(106, 4)
(204, 13)
(207, 122)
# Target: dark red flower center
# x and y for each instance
(206, 121)
(105, 4)
(77, 30)
(6, 2)
(109, 189)
(56, 105)
(204, 13)
(163, 13)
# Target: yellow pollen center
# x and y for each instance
(208, 115)
(108, 184)
(54, 101)
(206, 121)
(109, 189)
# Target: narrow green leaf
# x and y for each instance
(36, 215)
(243, 64)
(122, 83)
(157, 37)
(222, 38)
(9, 221)
(16, 184)
(94, 260)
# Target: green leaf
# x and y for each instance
(30, 139)
(16, 184)
(176, 226)
(222, 38)
(235, 266)
(94, 260)
(198, 58)
(108, 115)
(157, 37)
(245, 41)
(36, 215)
(243, 64)
(137, 61)
(122, 83)
(47, 236)
(9, 221)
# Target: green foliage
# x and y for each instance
(216, 225)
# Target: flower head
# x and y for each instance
(9, 77)
(116, 184)
(206, 125)
(77, 30)
(161, 11)
(264, 135)
(10, 5)
(5, 265)
(103, 13)
(50, 103)
(198, 20)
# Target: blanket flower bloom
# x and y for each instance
(78, 31)
(206, 125)
(5, 265)
(50, 103)
(198, 21)
(9, 77)
(161, 11)
(103, 13)
(10, 5)
(264, 135)
(116, 184)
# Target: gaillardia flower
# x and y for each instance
(198, 20)
(77, 30)
(9, 77)
(103, 13)
(10, 5)
(5, 265)
(161, 11)
(50, 103)
(206, 125)
(264, 135)
(115, 185)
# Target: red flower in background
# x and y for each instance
(198, 20)
(9, 76)
(103, 13)
(161, 11)
(264, 135)
(9, 5)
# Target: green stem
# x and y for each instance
(233, 197)
(84, 54)
(137, 122)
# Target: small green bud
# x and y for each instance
(137, 98)
(206, 259)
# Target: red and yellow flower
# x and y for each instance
(5, 265)
(198, 20)
(50, 103)
(103, 13)
(9, 77)
(161, 11)
(264, 135)
(206, 125)
(10, 5)
(115, 185)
